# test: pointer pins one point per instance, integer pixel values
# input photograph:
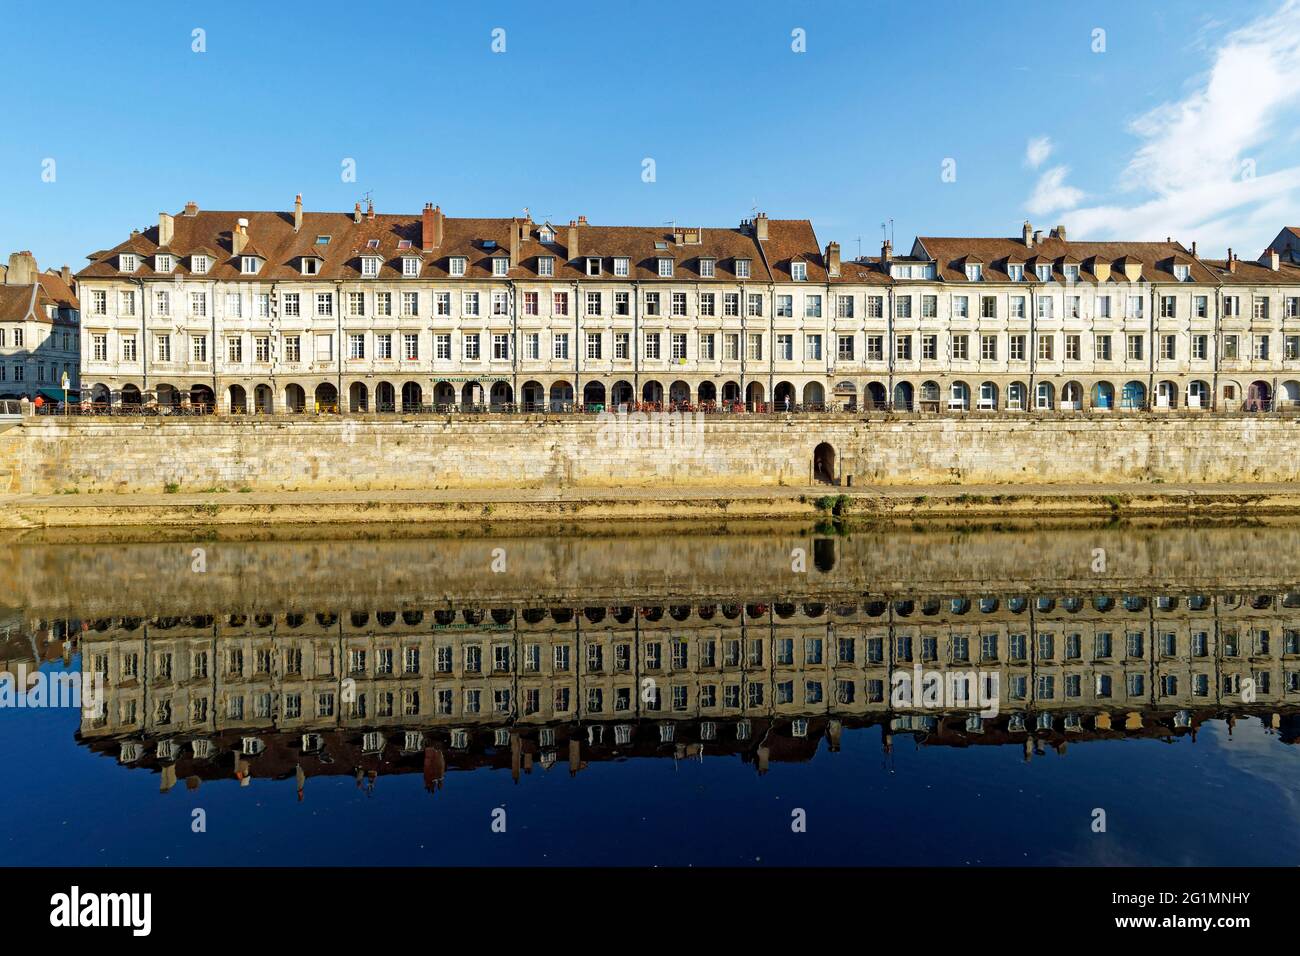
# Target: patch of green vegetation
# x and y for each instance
(171, 487)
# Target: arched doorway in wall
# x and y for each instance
(679, 393)
(1071, 397)
(754, 396)
(593, 396)
(130, 397)
(904, 397)
(1045, 397)
(358, 397)
(1017, 397)
(814, 396)
(561, 396)
(959, 397)
(1133, 396)
(784, 397)
(1288, 394)
(295, 399)
(263, 400)
(533, 395)
(385, 397)
(202, 400)
(988, 400)
(1259, 397)
(1167, 394)
(730, 393)
(501, 396)
(327, 399)
(1198, 394)
(652, 392)
(237, 397)
(622, 394)
(412, 397)
(708, 393)
(824, 463)
(471, 394)
(846, 396)
(1103, 395)
(444, 395)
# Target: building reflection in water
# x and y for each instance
(428, 690)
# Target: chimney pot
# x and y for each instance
(370, 210)
(191, 208)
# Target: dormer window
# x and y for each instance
(1044, 273)
(410, 266)
(665, 267)
(501, 266)
(546, 266)
(1183, 273)
(458, 265)
(199, 265)
(310, 266)
(545, 234)
(1071, 273)
(974, 272)
(1016, 272)
(706, 268)
(128, 262)
(622, 266)
(799, 271)
(370, 266)
(249, 265)
(163, 263)
(742, 268)
(593, 265)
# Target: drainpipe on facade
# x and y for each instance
(744, 342)
(213, 354)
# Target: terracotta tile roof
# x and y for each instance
(477, 240)
(866, 270)
(21, 302)
(1249, 272)
(1156, 258)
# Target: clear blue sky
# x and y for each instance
(850, 133)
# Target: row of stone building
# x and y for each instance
(248, 312)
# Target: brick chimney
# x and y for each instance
(66, 275)
(22, 269)
(1232, 261)
(516, 227)
(572, 247)
(833, 258)
(239, 236)
(297, 212)
(166, 228)
(370, 211)
(356, 213)
(1059, 233)
(760, 227)
(431, 228)
(1027, 235)
(191, 209)
(886, 255)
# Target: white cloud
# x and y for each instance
(1037, 151)
(1194, 171)
(1051, 193)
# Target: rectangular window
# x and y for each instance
(410, 346)
(442, 347)
(706, 347)
(472, 350)
(622, 346)
(844, 348)
(652, 345)
(594, 340)
(560, 345)
(356, 345)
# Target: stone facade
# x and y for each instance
(146, 455)
(266, 312)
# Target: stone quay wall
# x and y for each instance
(45, 456)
